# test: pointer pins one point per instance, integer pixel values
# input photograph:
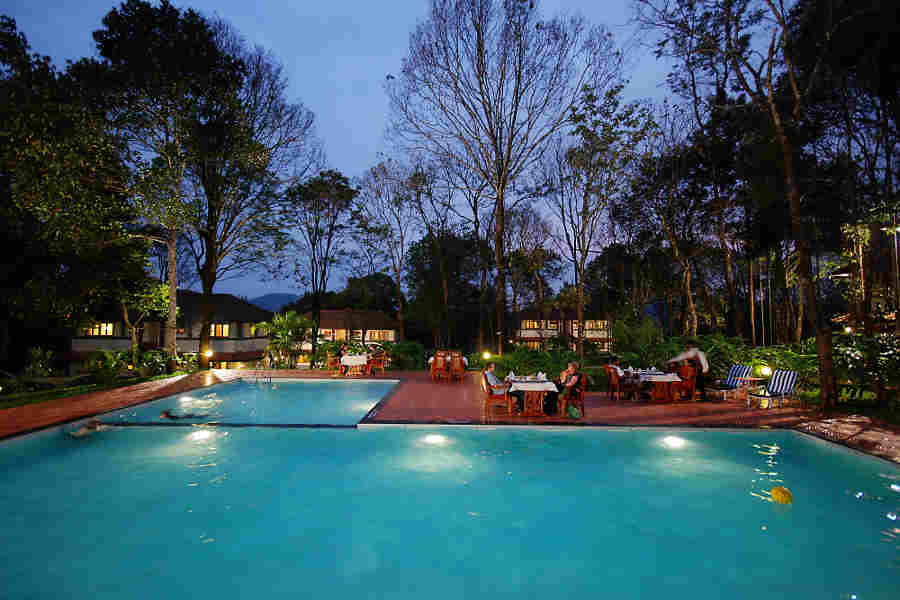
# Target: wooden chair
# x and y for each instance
(688, 386)
(457, 366)
(439, 367)
(575, 397)
(493, 398)
(616, 387)
(333, 364)
(376, 361)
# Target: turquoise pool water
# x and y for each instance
(283, 401)
(159, 512)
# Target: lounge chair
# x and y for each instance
(457, 366)
(731, 383)
(778, 389)
(494, 398)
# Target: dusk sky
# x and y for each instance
(336, 54)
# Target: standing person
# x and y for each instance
(693, 353)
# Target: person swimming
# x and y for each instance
(168, 414)
(89, 428)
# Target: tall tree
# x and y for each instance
(63, 213)
(386, 215)
(584, 178)
(736, 31)
(485, 84)
(162, 69)
(321, 208)
(250, 144)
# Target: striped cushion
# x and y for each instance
(782, 383)
(736, 372)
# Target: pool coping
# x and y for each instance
(71, 410)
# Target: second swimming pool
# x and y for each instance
(259, 402)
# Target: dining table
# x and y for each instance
(535, 390)
(355, 363)
(662, 383)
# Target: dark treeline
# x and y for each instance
(757, 200)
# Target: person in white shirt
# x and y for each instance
(693, 353)
(614, 363)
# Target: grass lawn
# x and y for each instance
(23, 398)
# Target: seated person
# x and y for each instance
(499, 387)
(89, 428)
(168, 414)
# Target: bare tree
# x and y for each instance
(248, 150)
(321, 208)
(386, 216)
(486, 84)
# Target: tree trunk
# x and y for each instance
(689, 299)
(827, 386)
(738, 316)
(752, 306)
(171, 344)
(581, 318)
(401, 318)
(500, 302)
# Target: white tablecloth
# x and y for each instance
(465, 360)
(664, 378)
(533, 386)
(354, 360)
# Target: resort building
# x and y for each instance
(232, 338)
(536, 328)
(359, 325)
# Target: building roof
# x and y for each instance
(558, 315)
(348, 318)
(224, 307)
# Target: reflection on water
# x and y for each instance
(767, 477)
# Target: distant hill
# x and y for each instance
(273, 302)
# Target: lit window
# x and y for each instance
(98, 329)
(530, 324)
(328, 334)
(357, 334)
(219, 330)
(554, 325)
(340, 335)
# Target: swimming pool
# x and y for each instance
(392, 512)
(258, 402)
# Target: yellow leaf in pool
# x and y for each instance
(782, 495)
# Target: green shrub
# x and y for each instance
(152, 362)
(40, 362)
(406, 355)
(105, 365)
(188, 362)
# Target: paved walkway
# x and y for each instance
(417, 400)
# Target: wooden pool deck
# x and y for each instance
(418, 400)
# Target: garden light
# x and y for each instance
(486, 355)
(766, 370)
(848, 329)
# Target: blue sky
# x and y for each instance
(336, 54)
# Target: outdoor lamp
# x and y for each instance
(486, 355)
(208, 353)
(766, 370)
(848, 329)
